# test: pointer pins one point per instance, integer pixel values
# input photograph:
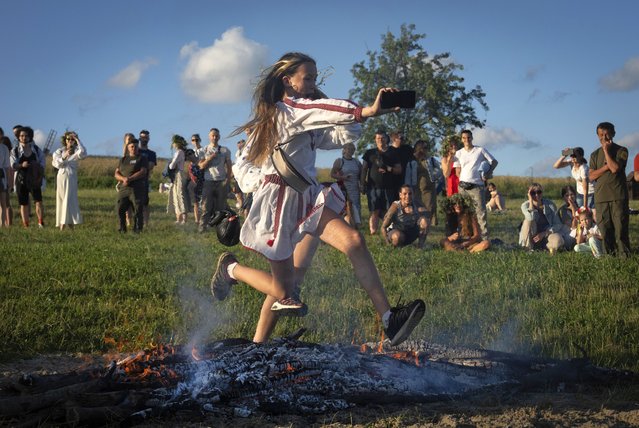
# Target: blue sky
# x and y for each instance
(551, 69)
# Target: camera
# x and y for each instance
(568, 152)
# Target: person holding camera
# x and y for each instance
(574, 157)
(541, 228)
(65, 159)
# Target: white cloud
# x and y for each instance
(222, 72)
(131, 74)
(544, 168)
(623, 80)
(498, 138)
(630, 141)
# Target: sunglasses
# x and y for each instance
(536, 192)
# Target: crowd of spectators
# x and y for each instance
(402, 185)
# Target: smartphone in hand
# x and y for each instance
(402, 99)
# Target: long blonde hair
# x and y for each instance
(262, 127)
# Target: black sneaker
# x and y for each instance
(221, 281)
(290, 307)
(402, 321)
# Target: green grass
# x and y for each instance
(80, 290)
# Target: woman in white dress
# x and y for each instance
(65, 159)
(177, 200)
(292, 112)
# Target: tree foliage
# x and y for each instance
(444, 105)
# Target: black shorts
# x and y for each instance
(410, 234)
(23, 194)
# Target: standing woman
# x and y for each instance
(177, 200)
(346, 171)
(288, 112)
(450, 164)
(6, 180)
(65, 159)
(574, 157)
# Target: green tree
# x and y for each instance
(444, 105)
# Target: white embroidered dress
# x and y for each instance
(280, 216)
(67, 207)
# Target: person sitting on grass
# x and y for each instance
(405, 221)
(462, 226)
(541, 228)
(587, 235)
(496, 202)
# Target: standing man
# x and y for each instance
(380, 167)
(215, 160)
(405, 154)
(132, 187)
(423, 175)
(151, 158)
(471, 176)
(608, 168)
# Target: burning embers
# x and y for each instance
(236, 377)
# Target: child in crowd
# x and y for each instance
(587, 235)
(496, 202)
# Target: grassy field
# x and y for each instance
(93, 290)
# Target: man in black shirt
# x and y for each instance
(131, 174)
(380, 167)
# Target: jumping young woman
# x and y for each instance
(283, 223)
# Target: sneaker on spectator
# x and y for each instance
(221, 282)
(290, 307)
(403, 319)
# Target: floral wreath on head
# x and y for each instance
(447, 142)
(463, 200)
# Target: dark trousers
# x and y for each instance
(136, 200)
(612, 220)
(214, 195)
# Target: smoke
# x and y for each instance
(201, 312)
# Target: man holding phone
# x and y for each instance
(471, 177)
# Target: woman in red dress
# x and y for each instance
(450, 165)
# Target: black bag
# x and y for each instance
(227, 227)
(466, 185)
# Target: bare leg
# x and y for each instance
(333, 230)
(39, 212)
(24, 213)
(3, 208)
(263, 281)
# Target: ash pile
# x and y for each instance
(237, 378)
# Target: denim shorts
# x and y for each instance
(579, 198)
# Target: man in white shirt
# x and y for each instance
(215, 160)
(471, 177)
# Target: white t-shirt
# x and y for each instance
(582, 172)
(470, 162)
